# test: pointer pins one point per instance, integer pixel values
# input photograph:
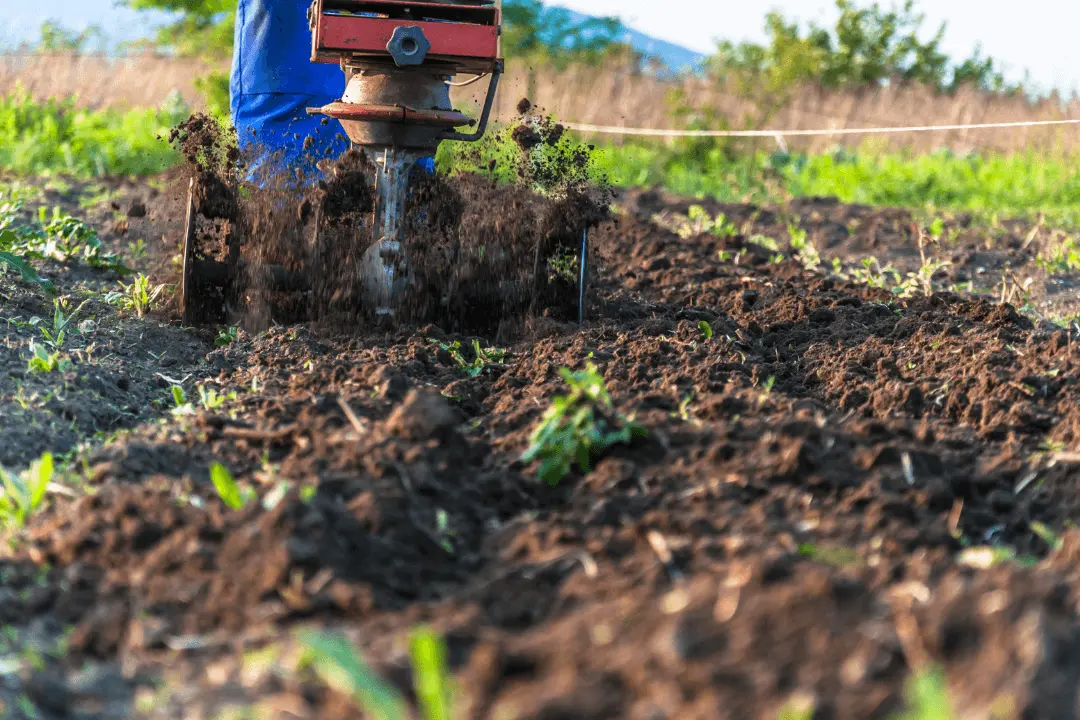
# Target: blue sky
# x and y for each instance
(1038, 35)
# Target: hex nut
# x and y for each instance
(408, 46)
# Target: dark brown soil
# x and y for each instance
(802, 527)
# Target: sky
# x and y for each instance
(1036, 35)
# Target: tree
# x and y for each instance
(56, 38)
(867, 46)
(531, 29)
(204, 28)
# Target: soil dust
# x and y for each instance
(483, 257)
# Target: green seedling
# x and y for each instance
(431, 678)
(338, 664)
(43, 361)
(765, 242)
(579, 427)
(138, 296)
(68, 238)
(706, 329)
(227, 336)
(22, 495)
(227, 489)
(181, 405)
(10, 258)
(211, 399)
(927, 697)
(483, 358)
(805, 251)
(56, 334)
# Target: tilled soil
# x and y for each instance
(804, 528)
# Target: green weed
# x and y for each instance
(227, 336)
(871, 273)
(58, 236)
(43, 361)
(40, 137)
(1061, 258)
(928, 697)
(12, 257)
(337, 662)
(22, 494)
(697, 221)
(579, 427)
(56, 333)
(138, 296)
(432, 683)
(66, 238)
(227, 489)
(211, 399)
(705, 329)
(805, 251)
(483, 358)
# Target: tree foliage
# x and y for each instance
(867, 46)
(57, 38)
(203, 28)
(532, 29)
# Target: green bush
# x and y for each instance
(38, 137)
(214, 87)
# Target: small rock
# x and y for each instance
(389, 383)
(422, 416)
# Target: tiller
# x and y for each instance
(399, 58)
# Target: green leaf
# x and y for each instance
(27, 272)
(431, 678)
(706, 329)
(41, 476)
(338, 664)
(226, 486)
(178, 395)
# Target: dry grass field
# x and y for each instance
(614, 95)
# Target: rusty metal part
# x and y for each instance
(392, 113)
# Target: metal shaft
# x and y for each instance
(583, 278)
(384, 268)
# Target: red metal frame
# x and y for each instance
(462, 36)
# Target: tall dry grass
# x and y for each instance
(616, 95)
(100, 81)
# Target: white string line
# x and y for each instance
(779, 134)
